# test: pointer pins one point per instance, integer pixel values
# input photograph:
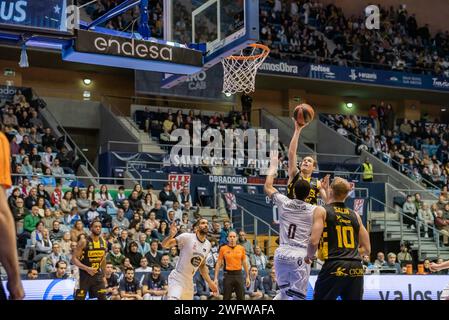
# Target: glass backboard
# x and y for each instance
(223, 26)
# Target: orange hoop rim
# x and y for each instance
(264, 54)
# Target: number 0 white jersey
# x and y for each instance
(295, 220)
(192, 252)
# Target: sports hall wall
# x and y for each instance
(56, 82)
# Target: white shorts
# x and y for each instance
(179, 287)
(292, 273)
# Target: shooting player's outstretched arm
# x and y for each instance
(292, 149)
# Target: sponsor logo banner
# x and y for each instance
(398, 287)
(286, 68)
(7, 92)
(376, 287)
(97, 43)
(204, 84)
(354, 75)
(228, 179)
(280, 67)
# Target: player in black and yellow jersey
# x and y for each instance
(342, 238)
(304, 172)
(89, 257)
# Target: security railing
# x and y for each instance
(436, 233)
(69, 142)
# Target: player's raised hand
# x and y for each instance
(173, 229)
(274, 162)
(274, 158)
(299, 127)
(325, 182)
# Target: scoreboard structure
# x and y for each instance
(56, 25)
(47, 16)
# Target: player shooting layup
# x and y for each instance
(304, 172)
(193, 250)
(295, 219)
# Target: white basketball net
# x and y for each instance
(240, 70)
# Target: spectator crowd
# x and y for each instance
(400, 263)
(50, 223)
(416, 148)
(38, 156)
(310, 30)
(128, 21)
(160, 124)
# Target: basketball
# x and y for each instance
(303, 114)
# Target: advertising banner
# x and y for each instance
(389, 78)
(398, 287)
(98, 43)
(204, 84)
(8, 92)
(376, 287)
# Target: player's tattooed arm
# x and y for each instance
(170, 241)
(268, 187)
(319, 215)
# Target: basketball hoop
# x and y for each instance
(240, 70)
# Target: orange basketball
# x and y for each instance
(303, 114)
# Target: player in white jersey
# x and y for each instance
(295, 224)
(193, 251)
